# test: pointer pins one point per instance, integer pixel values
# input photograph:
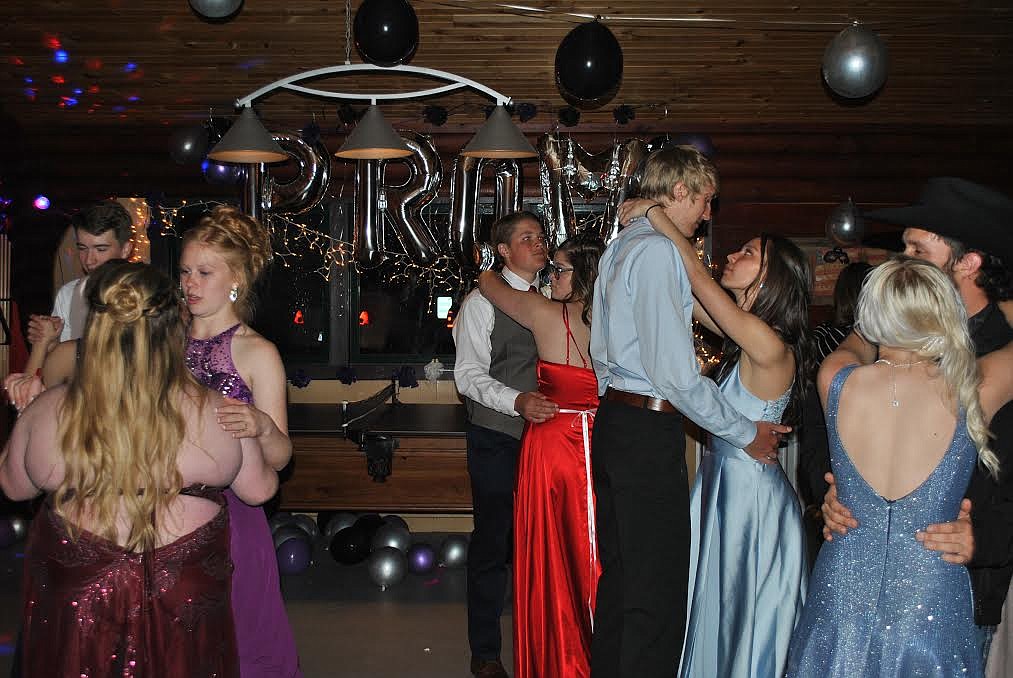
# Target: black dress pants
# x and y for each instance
(492, 466)
(640, 482)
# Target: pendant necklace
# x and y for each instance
(893, 377)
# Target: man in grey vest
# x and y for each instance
(495, 375)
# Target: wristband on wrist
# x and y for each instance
(648, 211)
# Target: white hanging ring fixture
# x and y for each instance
(290, 83)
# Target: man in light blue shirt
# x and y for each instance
(648, 379)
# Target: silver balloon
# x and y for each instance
(310, 185)
(216, 9)
(394, 519)
(465, 189)
(256, 197)
(855, 62)
(404, 202)
(567, 167)
(454, 551)
(280, 519)
(19, 526)
(620, 182)
(484, 256)
(560, 221)
(387, 566)
(307, 525)
(286, 532)
(394, 536)
(509, 187)
(845, 226)
(464, 186)
(367, 219)
(338, 522)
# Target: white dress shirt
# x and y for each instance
(67, 297)
(473, 338)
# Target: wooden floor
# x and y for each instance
(344, 625)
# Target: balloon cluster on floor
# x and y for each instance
(385, 544)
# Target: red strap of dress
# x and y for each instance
(570, 337)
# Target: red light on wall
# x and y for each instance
(363, 318)
(52, 42)
(298, 319)
(57, 80)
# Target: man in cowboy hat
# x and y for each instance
(967, 231)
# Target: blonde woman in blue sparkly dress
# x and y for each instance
(905, 433)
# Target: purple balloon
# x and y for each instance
(421, 558)
(294, 556)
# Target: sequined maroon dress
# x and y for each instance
(263, 634)
(95, 610)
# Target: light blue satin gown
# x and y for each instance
(883, 606)
(747, 558)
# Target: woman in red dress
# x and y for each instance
(127, 569)
(556, 566)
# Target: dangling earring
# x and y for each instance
(234, 293)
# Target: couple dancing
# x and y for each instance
(641, 347)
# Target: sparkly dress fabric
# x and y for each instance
(880, 604)
(748, 562)
(263, 634)
(556, 567)
(95, 610)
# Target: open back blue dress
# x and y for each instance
(880, 604)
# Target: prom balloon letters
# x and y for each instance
(386, 210)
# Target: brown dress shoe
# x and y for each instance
(488, 668)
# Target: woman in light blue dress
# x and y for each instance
(748, 558)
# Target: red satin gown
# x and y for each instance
(556, 567)
(94, 609)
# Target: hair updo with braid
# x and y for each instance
(242, 241)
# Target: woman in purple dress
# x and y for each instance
(222, 258)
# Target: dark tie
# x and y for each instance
(533, 289)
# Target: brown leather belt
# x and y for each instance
(642, 401)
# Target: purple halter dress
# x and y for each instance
(263, 634)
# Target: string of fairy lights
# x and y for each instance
(443, 275)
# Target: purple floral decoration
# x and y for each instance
(299, 379)
(406, 377)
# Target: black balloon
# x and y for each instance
(350, 546)
(368, 524)
(189, 145)
(216, 9)
(386, 31)
(589, 64)
(223, 172)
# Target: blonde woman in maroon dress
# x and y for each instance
(127, 570)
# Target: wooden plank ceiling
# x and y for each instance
(156, 63)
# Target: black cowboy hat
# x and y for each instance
(978, 217)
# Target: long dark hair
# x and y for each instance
(583, 250)
(782, 301)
